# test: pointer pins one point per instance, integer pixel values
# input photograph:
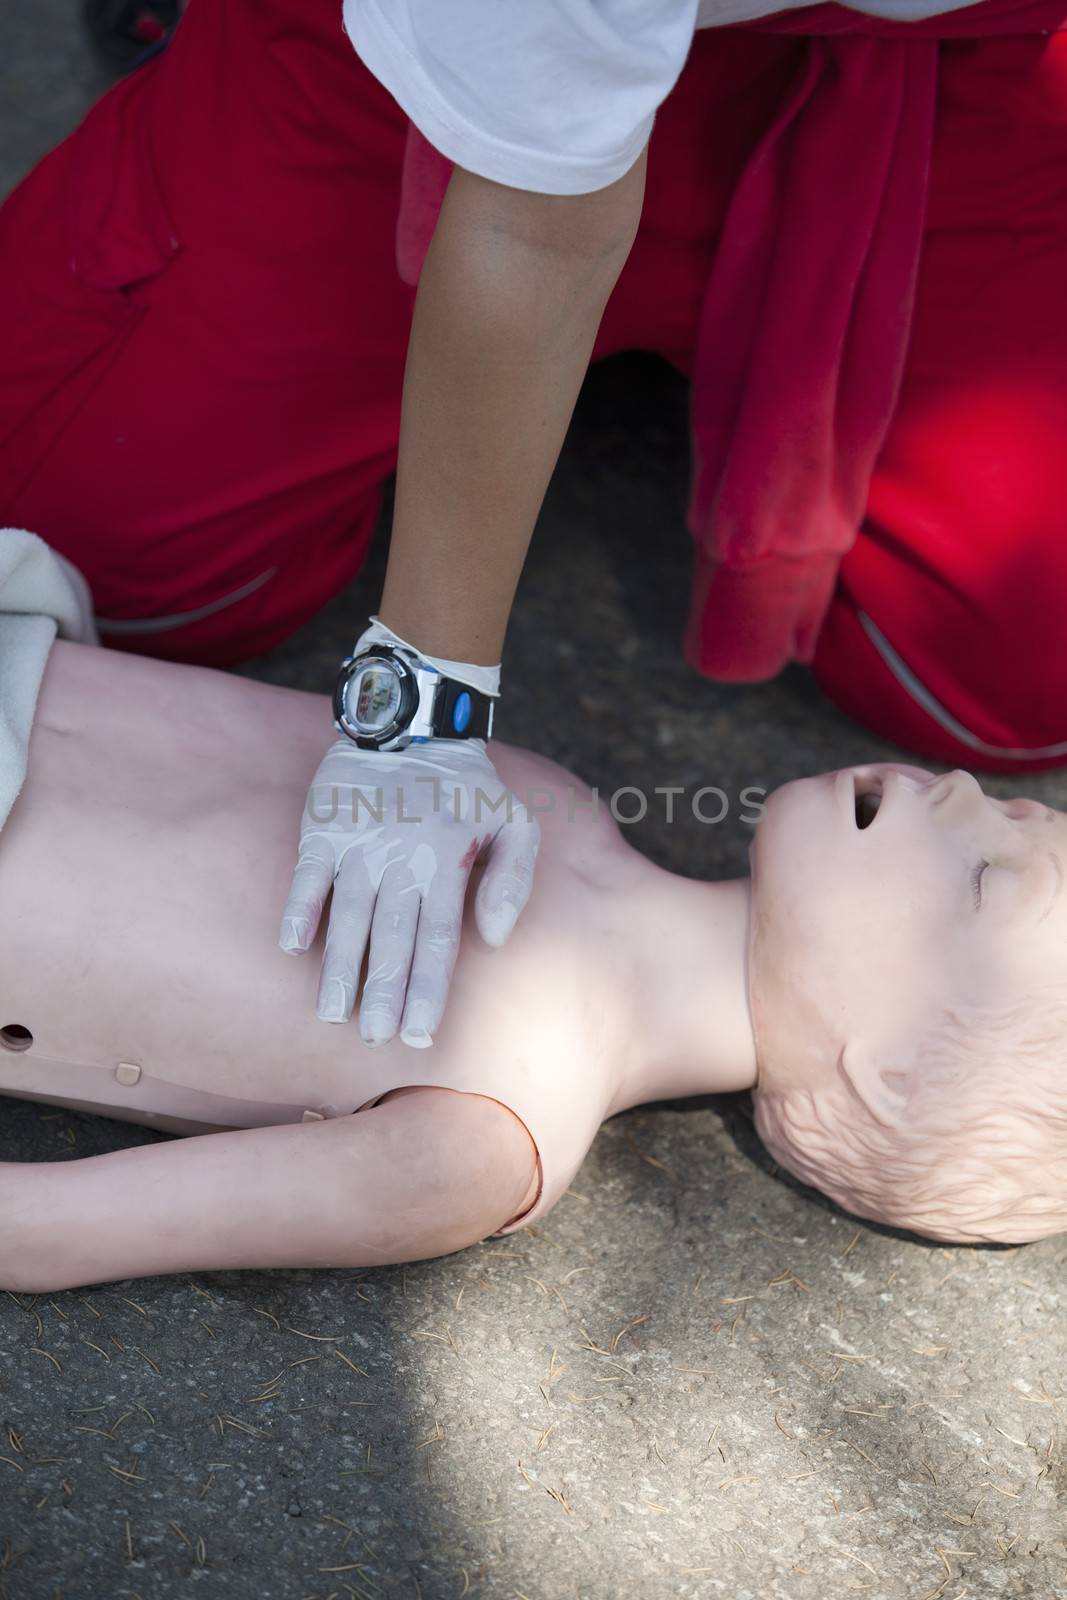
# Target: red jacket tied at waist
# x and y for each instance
(805, 321)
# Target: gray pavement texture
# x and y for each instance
(695, 1378)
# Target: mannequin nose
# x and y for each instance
(956, 793)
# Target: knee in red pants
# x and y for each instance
(946, 632)
(873, 681)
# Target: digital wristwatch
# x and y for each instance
(388, 697)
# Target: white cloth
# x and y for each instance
(41, 595)
(555, 96)
(485, 679)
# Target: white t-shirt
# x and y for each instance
(557, 96)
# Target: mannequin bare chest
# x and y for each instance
(142, 873)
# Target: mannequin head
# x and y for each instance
(908, 979)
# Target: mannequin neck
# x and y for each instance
(690, 1026)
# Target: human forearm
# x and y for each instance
(509, 304)
(510, 300)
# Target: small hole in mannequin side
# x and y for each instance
(13, 1036)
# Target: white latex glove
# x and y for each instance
(402, 881)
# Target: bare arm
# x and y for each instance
(510, 300)
(509, 303)
(423, 1173)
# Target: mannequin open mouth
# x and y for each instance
(867, 797)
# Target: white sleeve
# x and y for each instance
(557, 96)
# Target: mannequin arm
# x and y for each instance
(423, 1173)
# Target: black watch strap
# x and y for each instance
(461, 712)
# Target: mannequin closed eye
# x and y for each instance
(977, 874)
(1041, 892)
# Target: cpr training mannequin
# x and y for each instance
(908, 1038)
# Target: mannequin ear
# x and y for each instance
(879, 1092)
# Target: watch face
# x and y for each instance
(374, 696)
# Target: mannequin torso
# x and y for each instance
(142, 872)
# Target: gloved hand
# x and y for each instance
(399, 860)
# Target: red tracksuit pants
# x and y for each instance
(202, 340)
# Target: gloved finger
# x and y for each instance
(508, 877)
(346, 940)
(312, 877)
(392, 940)
(436, 949)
